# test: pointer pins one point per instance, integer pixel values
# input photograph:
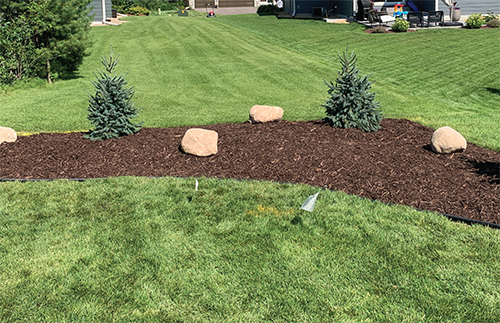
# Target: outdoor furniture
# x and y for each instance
(437, 17)
(364, 8)
(415, 18)
(376, 16)
(425, 17)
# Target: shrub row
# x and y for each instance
(477, 20)
(124, 5)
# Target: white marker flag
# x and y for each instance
(196, 186)
(308, 204)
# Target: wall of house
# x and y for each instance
(97, 9)
(468, 7)
(306, 6)
(340, 7)
(344, 7)
(422, 5)
(425, 5)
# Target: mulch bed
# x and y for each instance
(394, 164)
(387, 31)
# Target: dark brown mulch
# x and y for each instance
(370, 31)
(394, 164)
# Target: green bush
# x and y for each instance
(494, 23)
(111, 108)
(350, 104)
(474, 21)
(149, 4)
(379, 30)
(400, 25)
(491, 16)
(120, 9)
(138, 11)
(18, 52)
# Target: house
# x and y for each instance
(101, 10)
(339, 7)
(200, 4)
(349, 8)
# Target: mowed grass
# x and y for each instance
(195, 71)
(155, 250)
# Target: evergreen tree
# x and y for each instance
(111, 108)
(45, 38)
(351, 105)
(62, 28)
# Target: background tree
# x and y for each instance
(46, 38)
(350, 104)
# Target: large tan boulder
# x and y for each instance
(264, 113)
(7, 135)
(200, 142)
(446, 140)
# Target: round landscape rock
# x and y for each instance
(200, 142)
(446, 140)
(7, 135)
(265, 113)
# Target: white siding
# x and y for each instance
(468, 7)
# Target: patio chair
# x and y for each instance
(415, 18)
(437, 17)
(426, 16)
(376, 16)
(364, 8)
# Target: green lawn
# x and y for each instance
(154, 250)
(193, 71)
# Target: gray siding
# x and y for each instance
(468, 7)
(97, 9)
(344, 7)
(306, 6)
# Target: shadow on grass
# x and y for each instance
(71, 76)
(493, 90)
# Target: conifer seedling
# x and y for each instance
(111, 107)
(350, 104)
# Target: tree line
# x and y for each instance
(42, 38)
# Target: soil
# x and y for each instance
(394, 164)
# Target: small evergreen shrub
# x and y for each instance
(400, 25)
(494, 23)
(474, 21)
(110, 108)
(350, 104)
(378, 30)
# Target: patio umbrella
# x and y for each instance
(450, 4)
